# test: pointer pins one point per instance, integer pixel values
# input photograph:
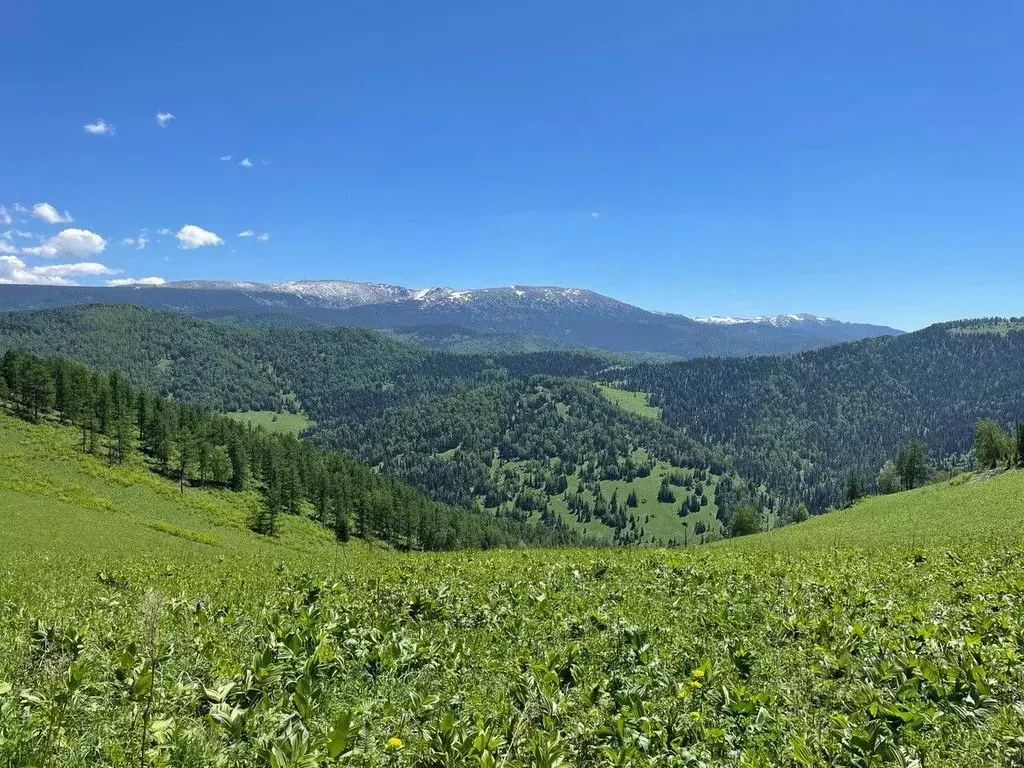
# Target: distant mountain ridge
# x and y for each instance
(570, 317)
(779, 321)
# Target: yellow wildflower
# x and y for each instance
(395, 743)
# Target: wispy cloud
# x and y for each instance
(138, 243)
(246, 233)
(245, 162)
(50, 215)
(99, 128)
(595, 214)
(163, 118)
(5, 217)
(119, 281)
(163, 231)
(190, 236)
(263, 237)
(226, 158)
(69, 242)
(19, 208)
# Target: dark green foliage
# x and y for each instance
(665, 494)
(992, 446)
(745, 521)
(797, 424)
(430, 419)
(888, 480)
(855, 485)
(912, 464)
(195, 447)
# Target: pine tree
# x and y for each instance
(239, 466)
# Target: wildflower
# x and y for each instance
(698, 672)
(395, 743)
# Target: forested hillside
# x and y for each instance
(523, 436)
(197, 448)
(801, 424)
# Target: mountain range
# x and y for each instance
(508, 318)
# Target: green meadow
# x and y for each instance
(274, 421)
(146, 627)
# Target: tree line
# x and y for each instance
(197, 447)
(802, 425)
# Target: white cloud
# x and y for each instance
(19, 208)
(135, 281)
(99, 128)
(246, 233)
(139, 242)
(225, 158)
(70, 242)
(17, 233)
(50, 215)
(263, 237)
(5, 217)
(595, 214)
(245, 162)
(163, 231)
(14, 270)
(164, 118)
(190, 236)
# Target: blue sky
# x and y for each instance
(858, 159)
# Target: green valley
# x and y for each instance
(145, 624)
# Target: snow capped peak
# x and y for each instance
(789, 320)
(722, 320)
(500, 300)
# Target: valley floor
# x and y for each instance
(142, 626)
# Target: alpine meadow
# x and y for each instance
(476, 385)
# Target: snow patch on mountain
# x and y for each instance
(791, 320)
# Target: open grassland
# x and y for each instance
(659, 520)
(631, 402)
(946, 514)
(273, 421)
(140, 626)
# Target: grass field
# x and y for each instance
(141, 626)
(947, 514)
(632, 402)
(273, 421)
(660, 521)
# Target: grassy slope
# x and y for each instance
(659, 520)
(990, 511)
(273, 421)
(823, 631)
(631, 402)
(56, 498)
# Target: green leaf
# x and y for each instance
(800, 752)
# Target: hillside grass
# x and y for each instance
(273, 421)
(980, 511)
(636, 403)
(889, 633)
(659, 520)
